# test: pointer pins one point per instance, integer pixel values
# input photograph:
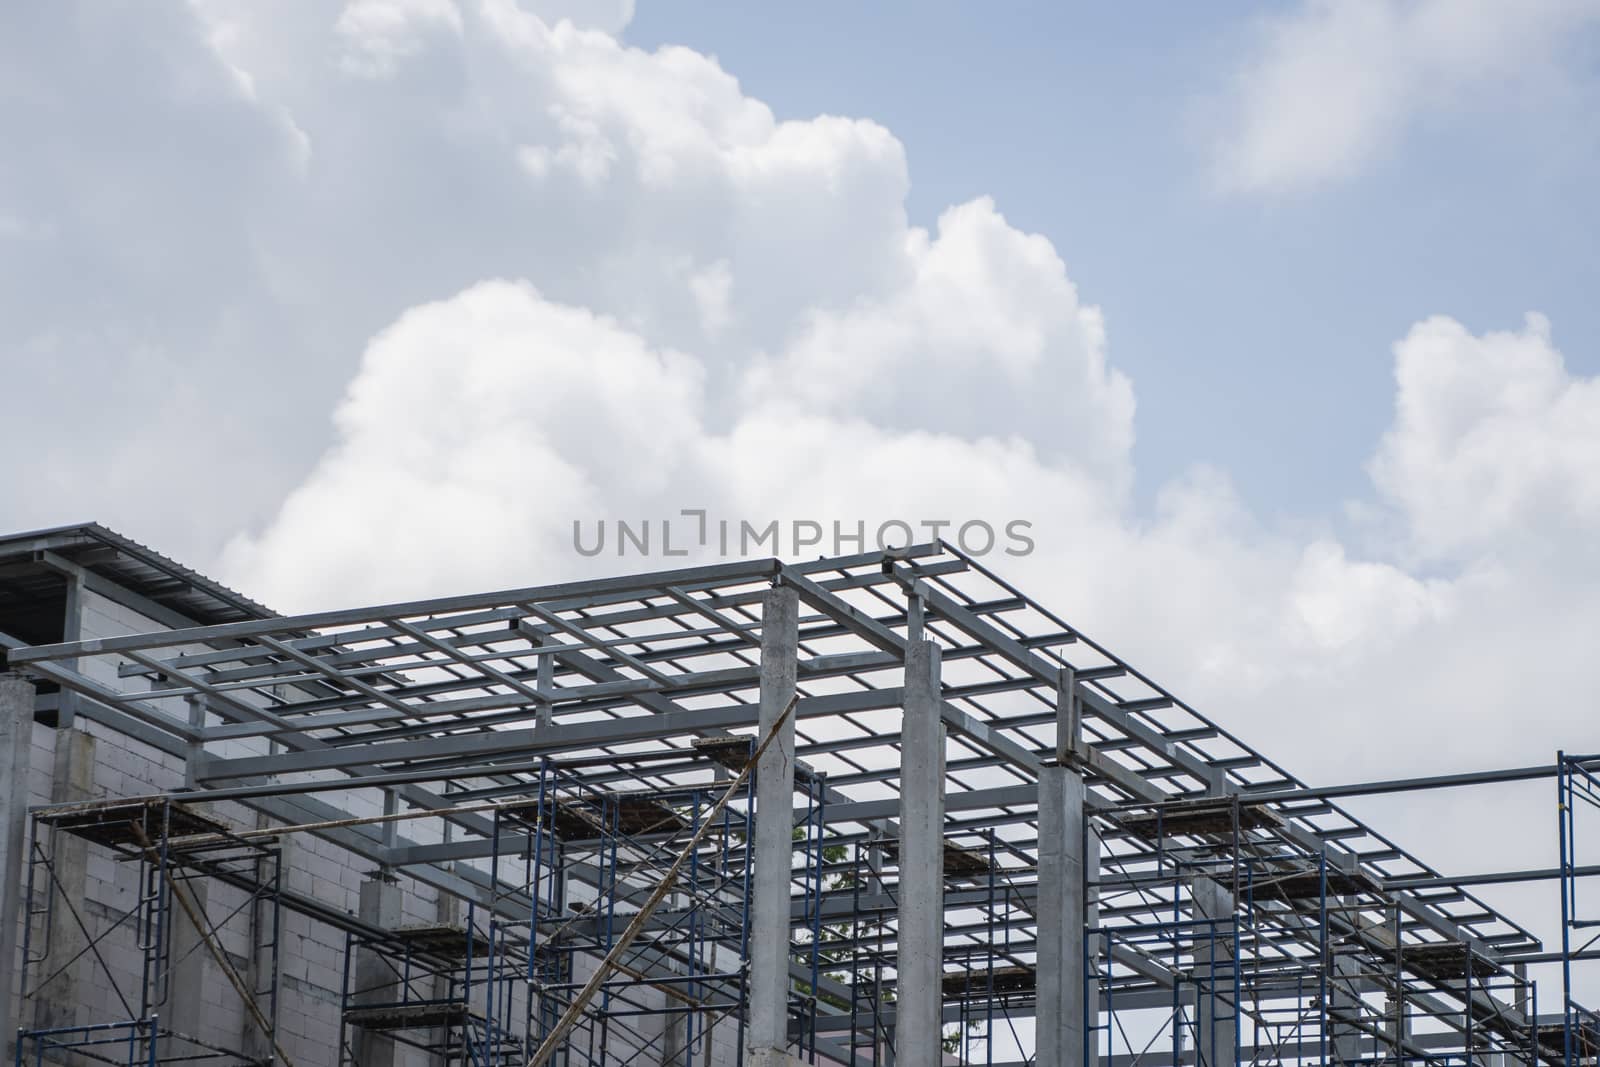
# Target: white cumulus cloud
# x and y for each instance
(1332, 84)
(1495, 445)
(379, 34)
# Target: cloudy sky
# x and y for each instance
(1278, 325)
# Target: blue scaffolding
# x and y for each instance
(1577, 789)
(169, 848)
(576, 859)
(430, 987)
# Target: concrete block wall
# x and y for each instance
(103, 890)
(311, 953)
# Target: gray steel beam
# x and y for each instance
(573, 593)
(1021, 657)
(561, 736)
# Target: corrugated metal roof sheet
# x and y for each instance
(132, 565)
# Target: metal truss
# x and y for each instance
(455, 708)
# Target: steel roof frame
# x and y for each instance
(620, 674)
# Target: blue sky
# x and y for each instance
(1256, 327)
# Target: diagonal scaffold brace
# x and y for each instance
(574, 1011)
(208, 938)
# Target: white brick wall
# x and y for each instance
(311, 953)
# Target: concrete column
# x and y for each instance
(57, 1001)
(920, 943)
(189, 959)
(771, 1057)
(374, 979)
(1094, 943)
(1069, 717)
(258, 963)
(195, 751)
(674, 1029)
(768, 1035)
(1216, 1025)
(1344, 1004)
(190, 963)
(1061, 914)
(1069, 860)
(545, 682)
(71, 630)
(66, 999)
(1397, 1024)
(448, 911)
(16, 745)
(188, 955)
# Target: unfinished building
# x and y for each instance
(864, 810)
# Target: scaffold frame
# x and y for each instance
(466, 713)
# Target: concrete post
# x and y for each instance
(71, 630)
(1344, 1004)
(1061, 917)
(448, 911)
(1069, 717)
(184, 1012)
(1094, 943)
(258, 963)
(56, 1002)
(1397, 1025)
(1216, 1014)
(545, 682)
(16, 746)
(920, 944)
(185, 1009)
(1069, 860)
(195, 751)
(674, 1029)
(375, 980)
(774, 833)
